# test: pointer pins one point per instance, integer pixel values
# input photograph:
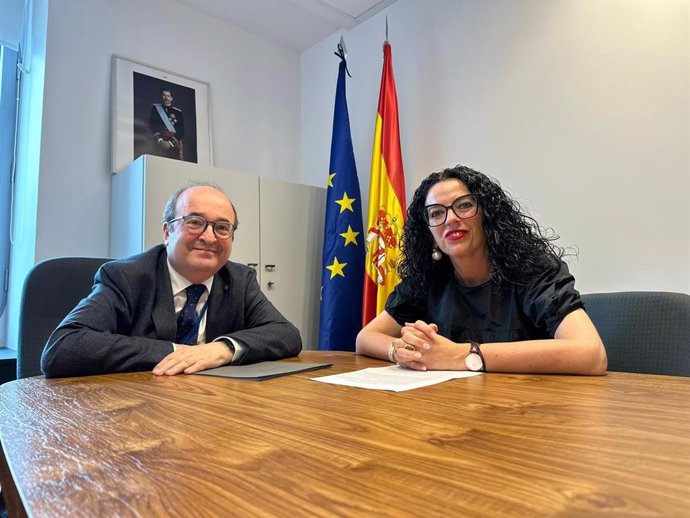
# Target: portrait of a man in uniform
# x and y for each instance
(167, 127)
(164, 119)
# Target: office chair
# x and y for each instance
(645, 332)
(51, 290)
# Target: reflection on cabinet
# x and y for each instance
(280, 229)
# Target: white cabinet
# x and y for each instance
(280, 228)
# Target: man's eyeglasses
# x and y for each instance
(197, 225)
(464, 207)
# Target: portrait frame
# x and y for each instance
(136, 87)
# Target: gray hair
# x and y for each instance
(171, 204)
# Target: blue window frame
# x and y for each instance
(8, 127)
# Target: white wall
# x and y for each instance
(254, 90)
(579, 107)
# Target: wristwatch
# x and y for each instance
(474, 360)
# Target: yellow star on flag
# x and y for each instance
(337, 268)
(330, 179)
(350, 236)
(346, 203)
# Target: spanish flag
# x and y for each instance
(386, 200)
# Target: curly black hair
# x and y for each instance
(518, 247)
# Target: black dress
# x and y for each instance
(491, 313)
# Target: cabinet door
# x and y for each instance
(292, 218)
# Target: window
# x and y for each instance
(8, 111)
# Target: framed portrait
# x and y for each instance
(157, 112)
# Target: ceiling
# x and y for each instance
(296, 24)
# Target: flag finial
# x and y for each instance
(342, 53)
(341, 47)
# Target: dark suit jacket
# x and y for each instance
(128, 321)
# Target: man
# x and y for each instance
(167, 126)
(140, 314)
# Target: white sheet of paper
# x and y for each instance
(393, 378)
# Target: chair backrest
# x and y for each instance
(643, 331)
(51, 290)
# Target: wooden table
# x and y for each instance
(494, 445)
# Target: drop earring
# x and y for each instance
(436, 254)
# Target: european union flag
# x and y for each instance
(342, 276)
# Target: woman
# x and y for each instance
(482, 288)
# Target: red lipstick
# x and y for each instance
(455, 234)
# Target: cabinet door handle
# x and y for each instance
(270, 284)
(270, 267)
(253, 265)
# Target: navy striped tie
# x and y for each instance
(187, 317)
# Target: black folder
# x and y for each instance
(263, 370)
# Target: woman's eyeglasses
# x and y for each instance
(464, 207)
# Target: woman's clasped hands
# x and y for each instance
(420, 347)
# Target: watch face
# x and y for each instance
(474, 362)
